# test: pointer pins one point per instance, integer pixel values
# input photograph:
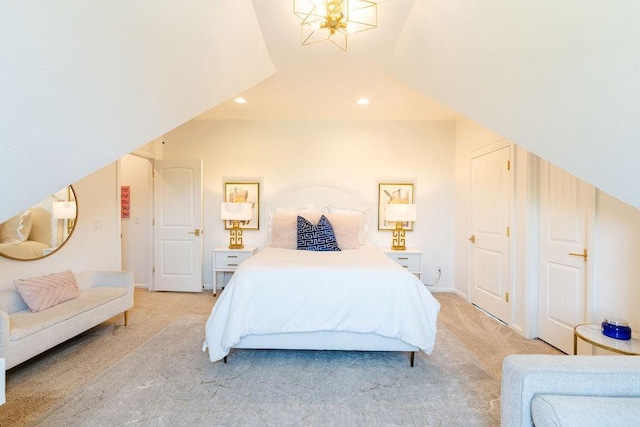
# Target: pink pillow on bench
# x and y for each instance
(43, 292)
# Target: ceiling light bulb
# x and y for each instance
(363, 101)
(240, 100)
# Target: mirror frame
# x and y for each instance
(72, 196)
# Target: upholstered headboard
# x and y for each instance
(320, 197)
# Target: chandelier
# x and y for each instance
(334, 20)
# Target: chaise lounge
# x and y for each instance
(25, 334)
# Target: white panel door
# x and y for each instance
(565, 203)
(490, 204)
(178, 225)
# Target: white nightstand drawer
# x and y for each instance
(409, 261)
(231, 260)
(226, 261)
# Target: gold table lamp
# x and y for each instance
(65, 211)
(399, 213)
(236, 212)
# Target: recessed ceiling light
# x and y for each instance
(240, 100)
(363, 101)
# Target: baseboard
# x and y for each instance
(206, 286)
(461, 294)
(439, 289)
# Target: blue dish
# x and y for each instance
(616, 328)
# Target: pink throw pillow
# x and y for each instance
(40, 293)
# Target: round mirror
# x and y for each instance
(40, 230)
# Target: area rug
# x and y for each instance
(169, 381)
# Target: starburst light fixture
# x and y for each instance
(334, 20)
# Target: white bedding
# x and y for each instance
(288, 291)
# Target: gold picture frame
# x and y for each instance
(244, 192)
(393, 193)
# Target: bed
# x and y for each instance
(353, 299)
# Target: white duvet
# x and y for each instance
(284, 290)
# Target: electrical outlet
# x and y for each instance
(97, 225)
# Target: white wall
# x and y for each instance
(358, 154)
(560, 79)
(88, 248)
(135, 172)
(617, 291)
(87, 82)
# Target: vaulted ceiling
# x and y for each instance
(320, 81)
(560, 79)
(86, 82)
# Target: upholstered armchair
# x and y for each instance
(548, 390)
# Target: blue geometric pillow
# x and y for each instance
(316, 237)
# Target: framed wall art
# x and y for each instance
(244, 192)
(393, 193)
(125, 201)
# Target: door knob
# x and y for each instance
(583, 254)
(196, 232)
(472, 239)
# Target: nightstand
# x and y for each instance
(411, 259)
(227, 260)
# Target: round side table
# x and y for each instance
(592, 334)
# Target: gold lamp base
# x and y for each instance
(71, 222)
(398, 241)
(235, 236)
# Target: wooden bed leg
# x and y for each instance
(126, 318)
(225, 359)
(411, 357)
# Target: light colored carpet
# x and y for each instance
(44, 382)
(167, 381)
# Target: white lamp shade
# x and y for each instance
(236, 211)
(64, 210)
(400, 212)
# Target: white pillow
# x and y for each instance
(347, 228)
(284, 227)
(358, 213)
(24, 229)
(16, 229)
(281, 236)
